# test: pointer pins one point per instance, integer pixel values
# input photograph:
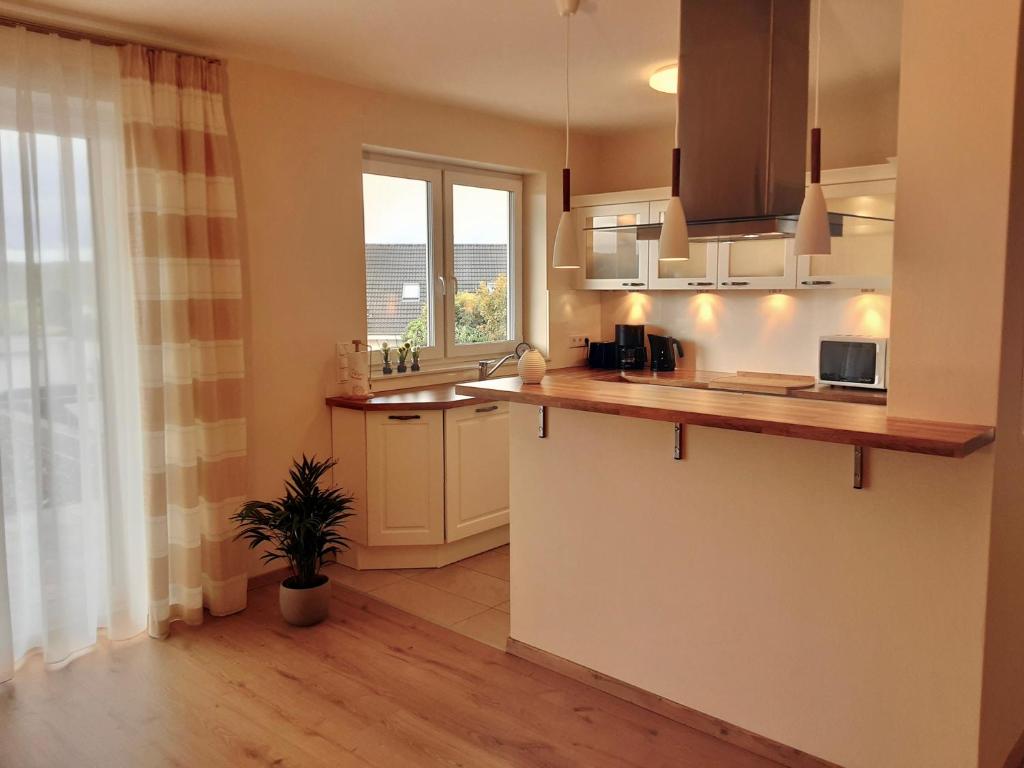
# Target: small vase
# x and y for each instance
(532, 367)
(401, 367)
(415, 365)
(386, 368)
(305, 607)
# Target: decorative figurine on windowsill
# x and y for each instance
(403, 352)
(415, 358)
(385, 354)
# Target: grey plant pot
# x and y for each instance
(305, 607)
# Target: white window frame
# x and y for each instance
(505, 183)
(441, 283)
(435, 259)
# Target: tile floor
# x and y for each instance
(470, 596)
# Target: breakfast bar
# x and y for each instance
(713, 579)
(834, 422)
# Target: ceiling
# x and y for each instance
(503, 56)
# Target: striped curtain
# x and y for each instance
(185, 256)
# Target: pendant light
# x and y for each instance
(674, 243)
(566, 254)
(813, 235)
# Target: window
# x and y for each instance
(443, 265)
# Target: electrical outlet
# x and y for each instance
(577, 341)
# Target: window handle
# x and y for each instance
(444, 287)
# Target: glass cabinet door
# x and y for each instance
(757, 263)
(614, 255)
(862, 256)
(698, 273)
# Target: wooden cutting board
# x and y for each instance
(762, 383)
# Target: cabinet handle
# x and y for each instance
(487, 408)
(633, 285)
(702, 283)
(737, 282)
(815, 282)
(403, 418)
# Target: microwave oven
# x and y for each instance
(853, 361)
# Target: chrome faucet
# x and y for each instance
(485, 369)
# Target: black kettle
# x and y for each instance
(663, 352)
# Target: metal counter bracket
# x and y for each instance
(542, 421)
(858, 467)
(677, 452)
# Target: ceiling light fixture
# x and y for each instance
(566, 255)
(665, 79)
(813, 236)
(674, 243)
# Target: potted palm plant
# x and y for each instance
(301, 527)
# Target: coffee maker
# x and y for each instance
(629, 347)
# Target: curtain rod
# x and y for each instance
(74, 34)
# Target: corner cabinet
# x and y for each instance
(404, 478)
(612, 250)
(431, 486)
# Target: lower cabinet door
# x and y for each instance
(476, 469)
(405, 477)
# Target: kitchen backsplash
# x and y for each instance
(752, 331)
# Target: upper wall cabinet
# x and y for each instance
(861, 257)
(619, 253)
(698, 273)
(613, 253)
(757, 264)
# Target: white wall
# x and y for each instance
(749, 330)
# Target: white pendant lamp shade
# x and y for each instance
(812, 230)
(813, 237)
(566, 254)
(674, 243)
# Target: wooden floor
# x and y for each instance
(373, 686)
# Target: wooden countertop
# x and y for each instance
(437, 397)
(700, 379)
(847, 423)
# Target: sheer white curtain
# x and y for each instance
(72, 542)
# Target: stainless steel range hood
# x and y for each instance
(743, 116)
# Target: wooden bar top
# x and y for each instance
(827, 421)
(437, 397)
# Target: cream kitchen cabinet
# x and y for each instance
(612, 249)
(476, 469)
(861, 257)
(430, 484)
(757, 264)
(405, 478)
(698, 273)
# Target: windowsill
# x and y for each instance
(442, 373)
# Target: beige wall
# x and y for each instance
(1002, 703)
(300, 141)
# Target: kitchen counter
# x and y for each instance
(833, 422)
(437, 397)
